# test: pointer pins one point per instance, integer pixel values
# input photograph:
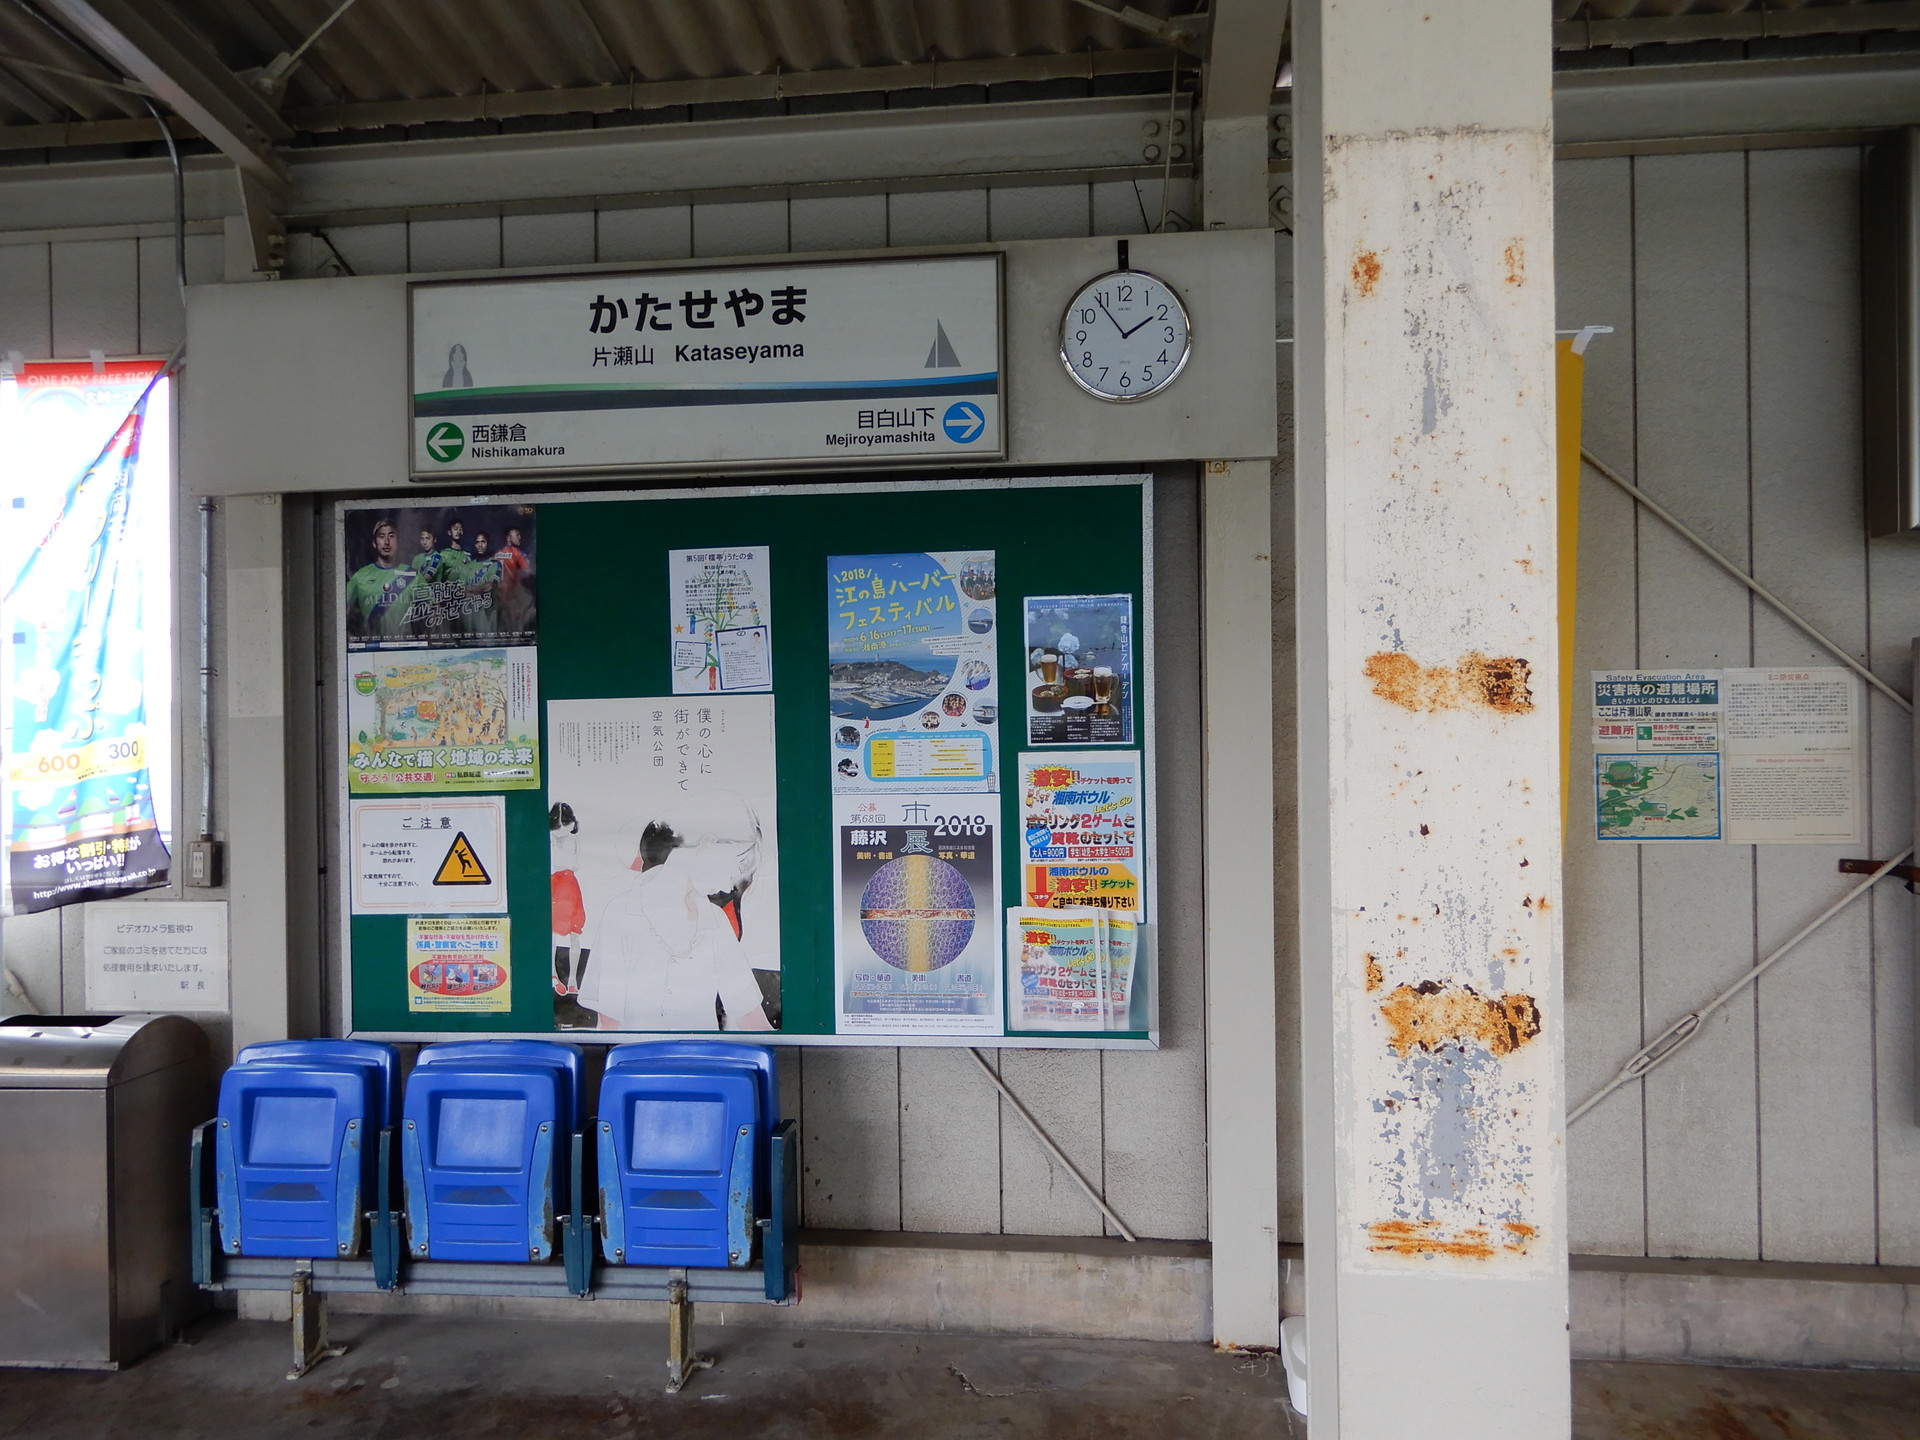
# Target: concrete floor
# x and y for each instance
(481, 1379)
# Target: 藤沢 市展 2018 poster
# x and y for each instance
(916, 946)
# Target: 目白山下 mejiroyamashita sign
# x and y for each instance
(851, 362)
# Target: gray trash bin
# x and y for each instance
(96, 1115)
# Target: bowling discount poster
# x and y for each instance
(917, 942)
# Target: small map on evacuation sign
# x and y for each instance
(1658, 797)
(433, 855)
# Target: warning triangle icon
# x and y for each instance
(941, 356)
(462, 866)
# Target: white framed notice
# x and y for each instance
(156, 955)
(854, 362)
(430, 856)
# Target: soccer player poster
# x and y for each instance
(456, 576)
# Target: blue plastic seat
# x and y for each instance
(326, 1054)
(294, 1159)
(678, 1160)
(478, 1150)
(759, 1058)
(564, 1058)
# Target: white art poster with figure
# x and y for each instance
(665, 867)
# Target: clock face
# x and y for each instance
(1125, 336)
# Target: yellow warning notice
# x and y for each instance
(462, 866)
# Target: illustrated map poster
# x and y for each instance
(722, 620)
(432, 721)
(665, 866)
(1079, 687)
(917, 942)
(914, 700)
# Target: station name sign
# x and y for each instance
(870, 362)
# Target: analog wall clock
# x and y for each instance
(1125, 336)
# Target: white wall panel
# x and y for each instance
(838, 222)
(1061, 1089)
(1690, 351)
(937, 217)
(163, 315)
(1815, 1013)
(367, 249)
(1039, 212)
(850, 1149)
(96, 297)
(472, 244)
(26, 300)
(751, 227)
(547, 239)
(950, 1168)
(655, 233)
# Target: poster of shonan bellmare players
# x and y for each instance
(454, 576)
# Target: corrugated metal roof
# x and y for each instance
(468, 57)
(386, 50)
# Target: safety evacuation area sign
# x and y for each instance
(429, 856)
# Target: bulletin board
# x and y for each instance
(518, 754)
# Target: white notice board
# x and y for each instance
(156, 955)
(854, 362)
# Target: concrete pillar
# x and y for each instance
(1236, 627)
(254, 763)
(1429, 741)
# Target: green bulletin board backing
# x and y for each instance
(603, 632)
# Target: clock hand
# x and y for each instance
(1109, 314)
(1142, 325)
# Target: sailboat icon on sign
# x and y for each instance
(941, 356)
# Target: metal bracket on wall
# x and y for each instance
(1908, 873)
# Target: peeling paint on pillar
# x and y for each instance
(1444, 679)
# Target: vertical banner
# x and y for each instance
(78, 792)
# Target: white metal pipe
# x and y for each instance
(1052, 1149)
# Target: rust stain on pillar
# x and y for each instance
(1430, 1015)
(1490, 682)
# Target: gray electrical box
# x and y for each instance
(1890, 334)
(96, 1118)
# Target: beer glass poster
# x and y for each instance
(1082, 833)
(913, 696)
(917, 945)
(1079, 683)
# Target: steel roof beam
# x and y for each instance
(154, 46)
(1236, 93)
(1762, 24)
